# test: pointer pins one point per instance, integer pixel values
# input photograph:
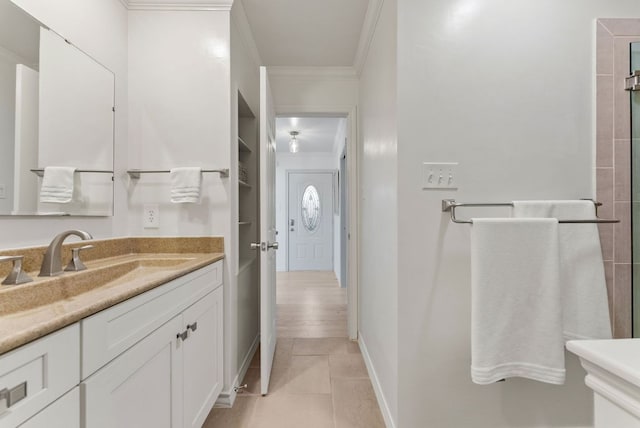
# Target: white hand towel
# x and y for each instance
(516, 314)
(185, 185)
(584, 288)
(57, 184)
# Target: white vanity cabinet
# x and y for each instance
(63, 413)
(169, 372)
(36, 375)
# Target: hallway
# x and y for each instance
(319, 378)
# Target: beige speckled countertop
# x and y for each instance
(117, 269)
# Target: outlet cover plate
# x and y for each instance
(440, 175)
(151, 216)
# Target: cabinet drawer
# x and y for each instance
(109, 333)
(64, 413)
(48, 367)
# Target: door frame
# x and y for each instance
(353, 199)
(333, 201)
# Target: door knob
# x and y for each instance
(273, 245)
(257, 246)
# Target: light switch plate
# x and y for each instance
(440, 175)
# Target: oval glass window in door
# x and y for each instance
(310, 208)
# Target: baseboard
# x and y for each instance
(382, 402)
(228, 397)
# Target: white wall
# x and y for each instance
(298, 90)
(180, 115)
(100, 29)
(295, 161)
(25, 197)
(7, 128)
(504, 88)
(378, 317)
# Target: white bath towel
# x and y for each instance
(516, 328)
(584, 289)
(185, 185)
(57, 184)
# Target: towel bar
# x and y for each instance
(450, 205)
(40, 171)
(135, 173)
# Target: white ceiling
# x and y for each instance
(306, 33)
(317, 134)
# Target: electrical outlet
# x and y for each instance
(441, 175)
(151, 216)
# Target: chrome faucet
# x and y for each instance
(52, 263)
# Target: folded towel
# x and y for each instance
(57, 184)
(584, 288)
(516, 314)
(185, 185)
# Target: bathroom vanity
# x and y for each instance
(613, 373)
(142, 347)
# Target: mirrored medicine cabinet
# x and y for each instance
(56, 109)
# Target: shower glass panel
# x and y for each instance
(635, 189)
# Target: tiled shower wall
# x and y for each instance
(613, 164)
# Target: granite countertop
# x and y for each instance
(117, 269)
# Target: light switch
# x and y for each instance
(440, 175)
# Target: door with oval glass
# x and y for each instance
(310, 229)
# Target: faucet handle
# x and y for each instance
(17, 275)
(76, 264)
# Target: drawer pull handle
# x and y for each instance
(184, 335)
(192, 327)
(14, 395)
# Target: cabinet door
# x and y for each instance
(140, 388)
(202, 353)
(63, 413)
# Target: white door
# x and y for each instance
(202, 358)
(267, 245)
(310, 220)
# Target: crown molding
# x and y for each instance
(340, 73)
(239, 18)
(178, 5)
(366, 35)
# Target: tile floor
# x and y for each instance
(319, 378)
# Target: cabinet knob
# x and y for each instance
(183, 336)
(192, 327)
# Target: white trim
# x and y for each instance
(340, 73)
(177, 5)
(239, 17)
(227, 398)
(353, 160)
(375, 382)
(366, 35)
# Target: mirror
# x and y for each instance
(56, 110)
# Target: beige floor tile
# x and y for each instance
(320, 346)
(252, 379)
(282, 356)
(353, 347)
(255, 361)
(239, 416)
(355, 404)
(308, 375)
(347, 366)
(293, 411)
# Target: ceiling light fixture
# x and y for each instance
(293, 143)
